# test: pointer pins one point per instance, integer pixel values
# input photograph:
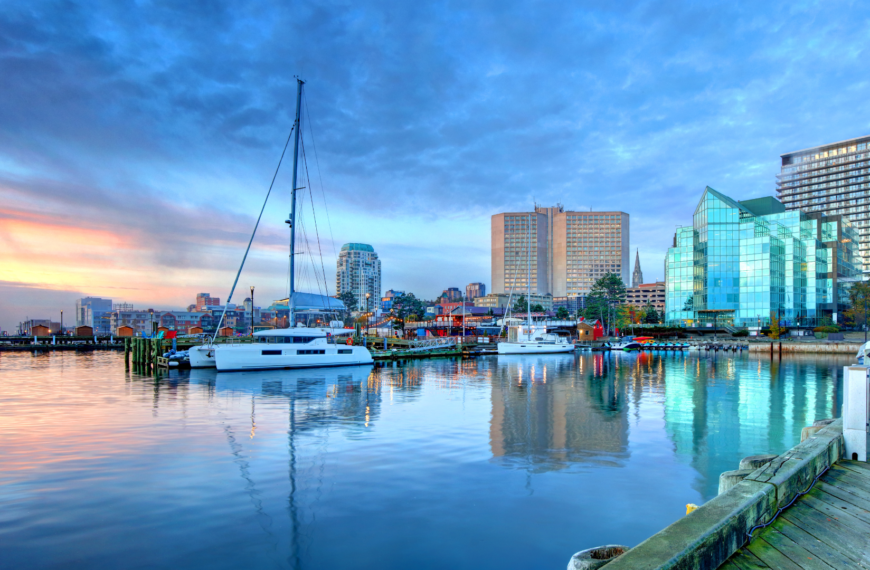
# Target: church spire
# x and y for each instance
(637, 276)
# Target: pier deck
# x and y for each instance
(827, 528)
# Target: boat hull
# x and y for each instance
(202, 357)
(261, 356)
(533, 348)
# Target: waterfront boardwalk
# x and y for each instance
(827, 528)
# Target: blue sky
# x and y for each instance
(137, 139)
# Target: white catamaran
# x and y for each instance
(295, 347)
(531, 339)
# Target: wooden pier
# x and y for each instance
(828, 528)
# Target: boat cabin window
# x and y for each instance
(286, 339)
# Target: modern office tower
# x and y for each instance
(637, 276)
(562, 253)
(451, 294)
(474, 290)
(831, 179)
(94, 312)
(359, 271)
(745, 263)
(588, 246)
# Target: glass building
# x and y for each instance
(744, 262)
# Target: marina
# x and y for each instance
(383, 464)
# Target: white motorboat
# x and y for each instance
(299, 347)
(626, 345)
(535, 341)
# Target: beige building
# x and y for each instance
(561, 253)
(494, 300)
(647, 293)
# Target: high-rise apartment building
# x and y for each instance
(474, 290)
(359, 271)
(831, 179)
(561, 253)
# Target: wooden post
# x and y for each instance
(127, 353)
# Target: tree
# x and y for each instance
(775, 330)
(537, 308)
(519, 305)
(562, 314)
(652, 316)
(608, 294)
(403, 306)
(859, 304)
(349, 300)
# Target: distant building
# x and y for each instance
(139, 320)
(551, 251)
(573, 303)
(204, 301)
(647, 294)
(94, 312)
(748, 262)
(387, 299)
(451, 294)
(494, 300)
(832, 180)
(358, 270)
(637, 276)
(474, 290)
(51, 327)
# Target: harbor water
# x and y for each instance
(497, 462)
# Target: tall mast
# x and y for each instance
(529, 278)
(292, 220)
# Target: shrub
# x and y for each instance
(826, 329)
(742, 332)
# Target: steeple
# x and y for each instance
(637, 276)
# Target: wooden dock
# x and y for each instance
(828, 528)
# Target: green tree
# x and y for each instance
(537, 308)
(404, 306)
(859, 304)
(562, 314)
(608, 293)
(349, 300)
(520, 305)
(651, 316)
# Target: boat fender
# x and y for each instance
(349, 341)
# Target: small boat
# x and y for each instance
(626, 345)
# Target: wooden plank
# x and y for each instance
(747, 561)
(837, 514)
(836, 535)
(728, 565)
(846, 479)
(848, 494)
(859, 467)
(844, 506)
(785, 548)
(830, 555)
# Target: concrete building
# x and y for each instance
(205, 301)
(494, 300)
(637, 276)
(573, 304)
(387, 299)
(832, 179)
(647, 294)
(745, 263)
(359, 271)
(138, 319)
(451, 294)
(557, 252)
(474, 290)
(94, 312)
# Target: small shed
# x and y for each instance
(39, 330)
(125, 330)
(194, 330)
(84, 330)
(226, 331)
(585, 331)
(164, 330)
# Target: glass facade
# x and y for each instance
(742, 262)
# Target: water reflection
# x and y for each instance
(382, 466)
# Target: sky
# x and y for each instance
(138, 139)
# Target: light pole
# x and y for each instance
(151, 312)
(369, 316)
(61, 319)
(252, 311)
(865, 317)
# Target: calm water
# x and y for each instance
(515, 462)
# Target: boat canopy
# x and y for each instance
(305, 331)
(312, 302)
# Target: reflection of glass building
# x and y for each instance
(741, 262)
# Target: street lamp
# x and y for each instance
(151, 312)
(252, 311)
(369, 316)
(61, 319)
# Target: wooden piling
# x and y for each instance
(127, 353)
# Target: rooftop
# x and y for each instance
(357, 247)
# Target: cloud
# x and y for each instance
(158, 125)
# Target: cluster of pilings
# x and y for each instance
(144, 352)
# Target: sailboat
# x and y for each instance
(294, 347)
(531, 339)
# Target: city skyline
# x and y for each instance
(132, 165)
